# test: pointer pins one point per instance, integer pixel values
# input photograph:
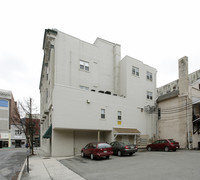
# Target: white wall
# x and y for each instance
(68, 53)
(107, 73)
(62, 143)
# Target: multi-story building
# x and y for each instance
(89, 94)
(18, 138)
(11, 131)
(5, 114)
(179, 108)
(7, 117)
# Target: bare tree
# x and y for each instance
(28, 110)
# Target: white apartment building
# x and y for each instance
(89, 94)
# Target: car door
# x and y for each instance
(162, 144)
(115, 147)
(87, 149)
(112, 144)
(155, 145)
(165, 144)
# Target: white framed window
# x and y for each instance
(84, 65)
(149, 95)
(119, 115)
(103, 113)
(84, 87)
(149, 76)
(135, 71)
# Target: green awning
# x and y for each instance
(48, 133)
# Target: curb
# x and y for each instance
(22, 170)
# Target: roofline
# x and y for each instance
(53, 31)
(167, 96)
(47, 31)
(108, 42)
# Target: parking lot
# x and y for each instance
(156, 165)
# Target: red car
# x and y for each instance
(163, 144)
(96, 150)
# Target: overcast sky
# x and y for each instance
(156, 32)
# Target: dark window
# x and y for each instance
(149, 95)
(119, 115)
(135, 71)
(84, 65)
(149, 76)
(103, 113)
(159, 113)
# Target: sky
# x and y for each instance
(156, 32)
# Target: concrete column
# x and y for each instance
(183, 76)
(135, 137)
(116, 60)
(99, 136)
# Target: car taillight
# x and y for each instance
(126, 147)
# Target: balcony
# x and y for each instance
(196, 124)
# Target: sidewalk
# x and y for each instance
(45, 168)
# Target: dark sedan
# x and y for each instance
(123, 148)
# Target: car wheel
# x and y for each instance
(130, 154)
(91, 156)
(119, 153)
(149, 148)
(107, 157)
(166, 149)
(82, 154)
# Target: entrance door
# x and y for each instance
(18, 143)
(125, 139)
(0, 144)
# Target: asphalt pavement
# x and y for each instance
(11, 161)
(154, 165)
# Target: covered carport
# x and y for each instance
(126, 134)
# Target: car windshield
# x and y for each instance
(124, 143)
(103, 145)
(171, 140)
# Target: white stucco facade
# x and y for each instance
(85, 87)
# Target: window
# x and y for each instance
(119, 115)
(149, 76)
(149, 95)
(3, 103)
(18, 132)
(103, 113)
(159, 113)
(199, 86)
(135, 71)
(84, 88)
(84, 65)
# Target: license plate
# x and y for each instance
(132, 147)
(105, 151)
